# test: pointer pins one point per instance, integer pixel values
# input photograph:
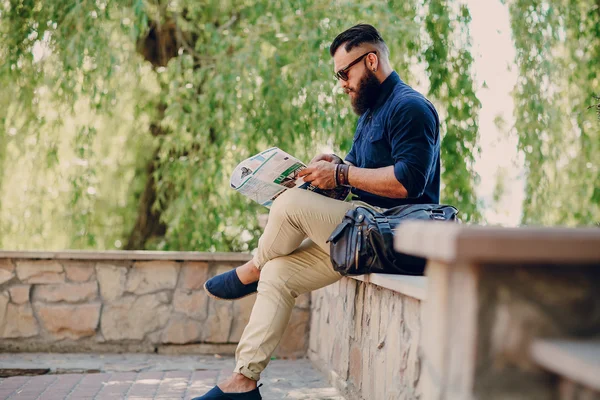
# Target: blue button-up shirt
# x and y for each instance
(401, 129)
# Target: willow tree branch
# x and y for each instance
(228, 24)
(596, 106)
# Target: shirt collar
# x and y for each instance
(386, 88)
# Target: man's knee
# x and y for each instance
(274, 276)
(289, 200)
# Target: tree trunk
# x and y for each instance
(148, 224)
(3, 143)
(160, 45)
(157, 47)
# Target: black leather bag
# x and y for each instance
(364, 242)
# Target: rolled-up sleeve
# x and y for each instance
(414, 139)
(351, 157)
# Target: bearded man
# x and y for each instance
(394, 160)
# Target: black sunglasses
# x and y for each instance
(343, 73)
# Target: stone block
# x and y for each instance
(336, 358)
(387, 298)
(324, 324)
(412, 316)
(193, 275)
(154, 337)
(69, 292)
(133, 317)
(378, 370)
(349, 299)
(346, 342)
(4, 299)
(217, 326)
(19, 294)
(7, 265)
(393, 347)
(303, 301)
(7, 271)
(359, 311)
(78, 271)
(339, 316)
(181, 330)
(19, 322)
(194, 305)
(315, 328)
(40, 271)
(355, 366)
(241, 315)
(217, 269)
(411, 313)
(69, 321)
(112, 279)
(368, 372)
(152, 276)
(335, 288)
(295, 338)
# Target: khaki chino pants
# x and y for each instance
(293, 258)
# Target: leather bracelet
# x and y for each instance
(335, 175)
(342, 174)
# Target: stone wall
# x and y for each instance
(367, 338)
(79, 305)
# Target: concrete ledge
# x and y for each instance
(578, 361)
(137, 255)
(412, 286)
(450, 242)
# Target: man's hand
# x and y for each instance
(321, 174)
(332, 158)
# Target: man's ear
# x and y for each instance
(373, 62)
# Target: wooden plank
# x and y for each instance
(450, 242)
(576, 360)
(137, 255)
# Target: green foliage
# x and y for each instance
(451, 80)
(247, 75)
(269, 85)
(597, 106)
(558, 52)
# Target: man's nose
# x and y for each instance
(343, 83)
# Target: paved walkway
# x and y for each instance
(148, 376)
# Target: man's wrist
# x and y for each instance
(337, 159)
(341, 175)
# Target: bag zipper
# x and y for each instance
(432, 211)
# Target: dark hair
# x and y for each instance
(355, 36)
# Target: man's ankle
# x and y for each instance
(248, 273)
(243, 380)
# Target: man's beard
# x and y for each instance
(366, 93)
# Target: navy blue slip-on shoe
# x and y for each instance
(217, 394)
(227, 286)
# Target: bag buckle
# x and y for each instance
(438, 214)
